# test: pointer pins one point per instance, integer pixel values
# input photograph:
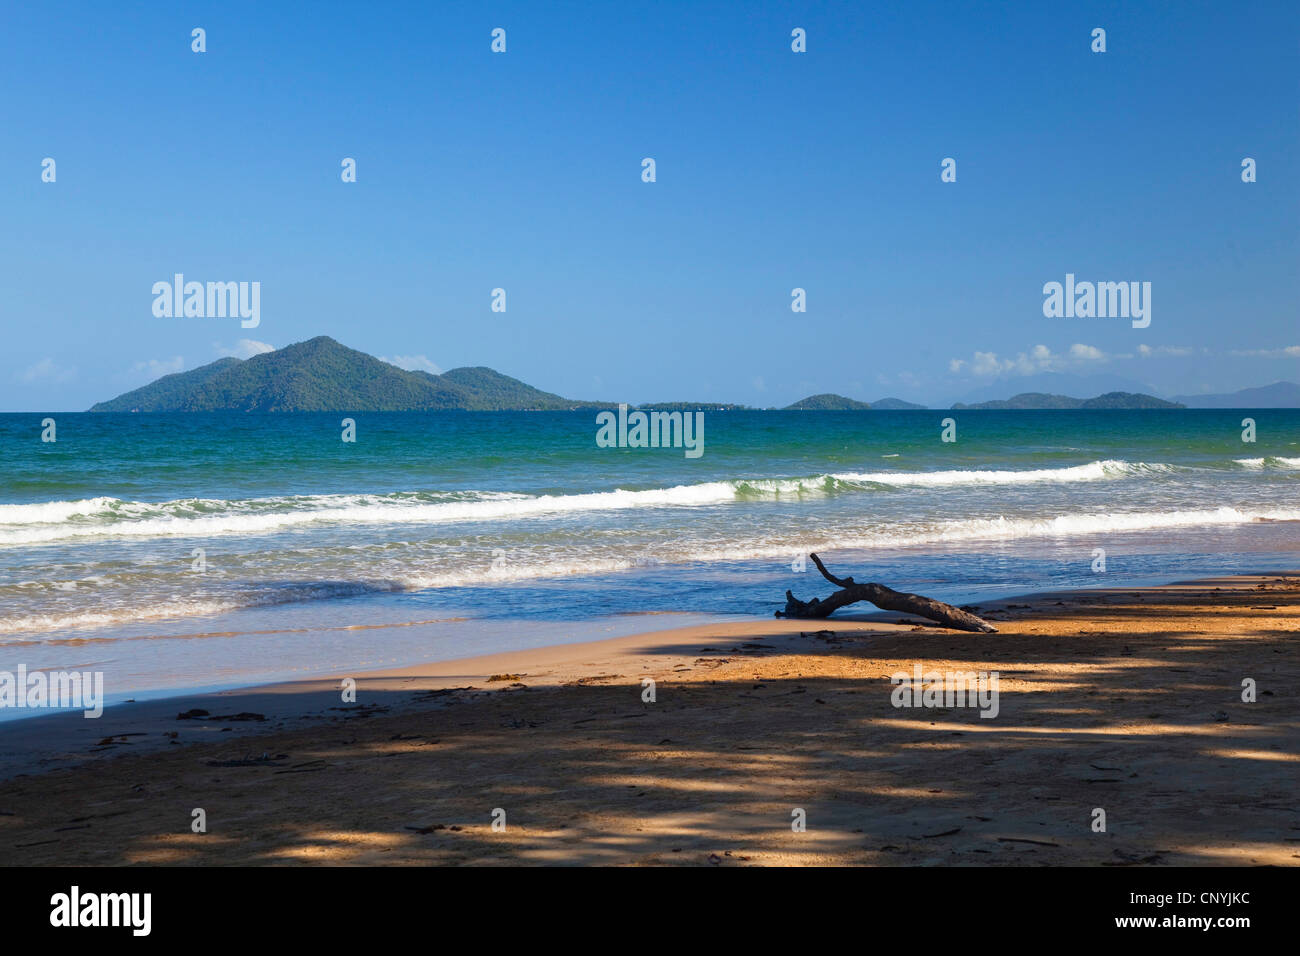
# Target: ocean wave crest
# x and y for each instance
(203, 517)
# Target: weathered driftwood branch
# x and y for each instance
(882, 597)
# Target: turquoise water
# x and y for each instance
(523, 530)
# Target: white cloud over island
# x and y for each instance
(244, 348)
(1038, 359)
(157, 368)
(1289, 351)
(412, 363)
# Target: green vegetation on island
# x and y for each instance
(827, 402)
(321, 375)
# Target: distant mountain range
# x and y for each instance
(1277, 395)
(1109, 400)
(321, 375)
(831, 402)
(1046, 383)
(894, 405)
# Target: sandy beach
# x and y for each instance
(1127, 700)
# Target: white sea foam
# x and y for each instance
(53, 511)
(1002, 528)
(1272, 461)
(1093, 471)
(188, 518)
(545, 563)
(172, 607)
(198, 517)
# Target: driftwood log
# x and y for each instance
(882, 597)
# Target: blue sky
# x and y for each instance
(775, 170)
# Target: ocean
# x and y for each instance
(184, 551)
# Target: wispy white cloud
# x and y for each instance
(1038, 359)
(157, 368)
(901, 377)
(1289, 351)
(1170, 351)
(412, 363)
(47, 371)
(244, 348)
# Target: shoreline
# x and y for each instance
(716, 686)
(623, 624)
(327, 680)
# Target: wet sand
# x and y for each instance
(1125, 700)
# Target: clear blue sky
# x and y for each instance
(775, 170)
